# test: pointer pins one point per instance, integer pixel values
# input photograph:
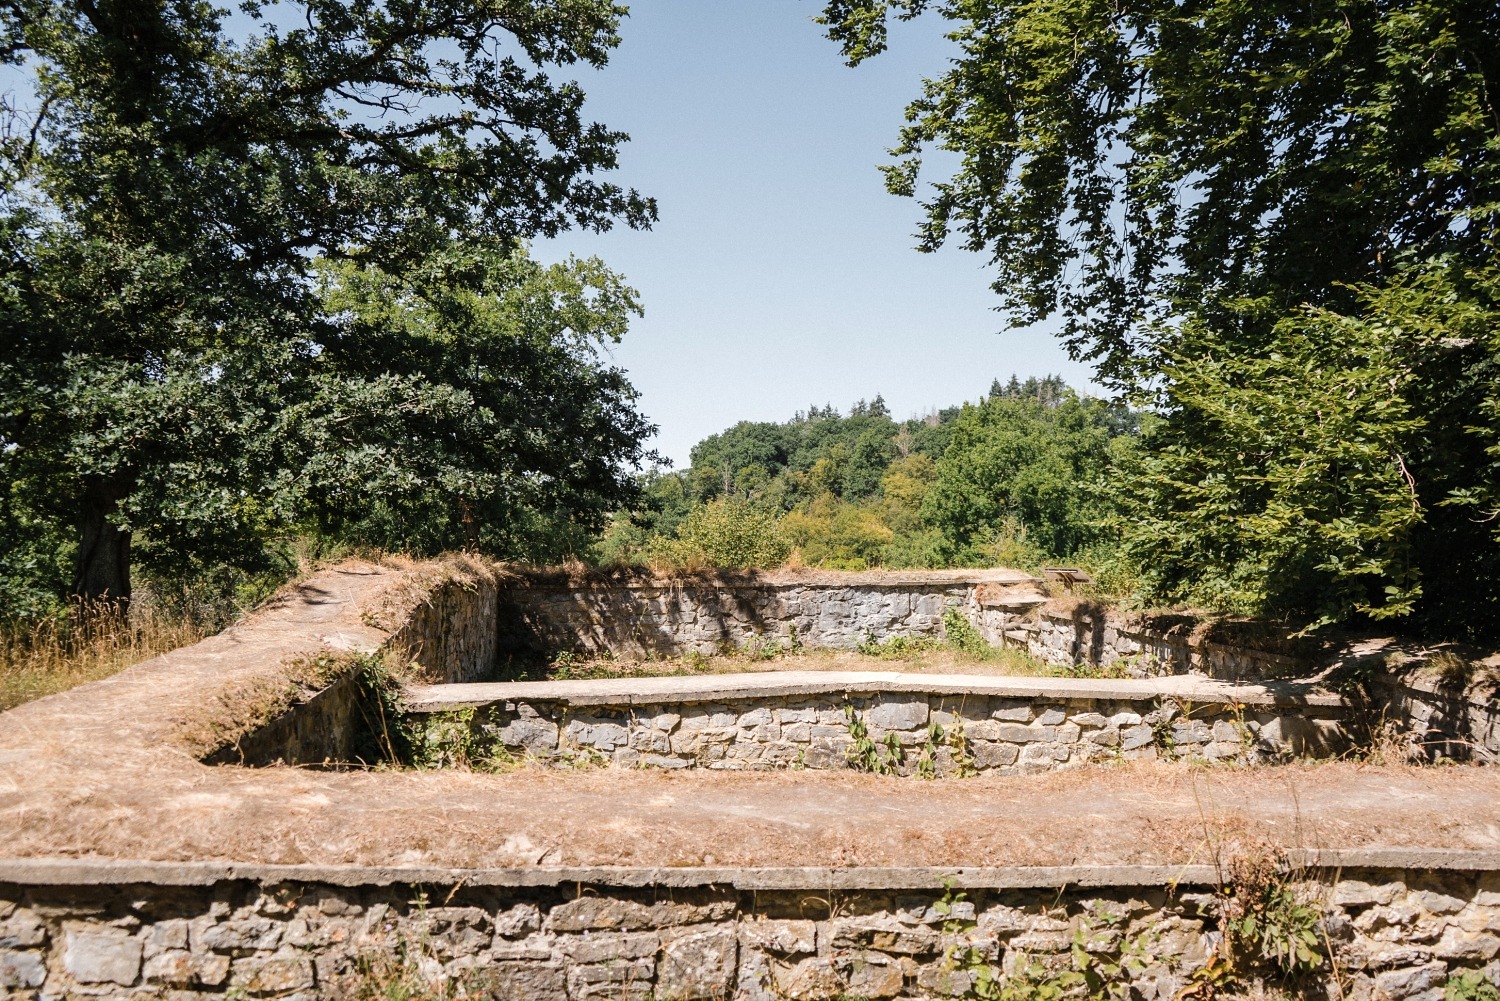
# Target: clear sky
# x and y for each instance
(782, 274)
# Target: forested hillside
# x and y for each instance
(1019, 478)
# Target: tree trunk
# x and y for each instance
(102, 569)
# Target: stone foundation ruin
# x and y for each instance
(732, 849)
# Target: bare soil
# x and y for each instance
(103, 771)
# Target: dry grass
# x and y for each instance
(925, 659)
(51, 655)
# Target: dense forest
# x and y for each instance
(267, 298)
(1019, 478)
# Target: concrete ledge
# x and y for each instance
(776, 684)
(108, 872)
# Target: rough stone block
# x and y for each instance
(1090, 720)
(1436, 903)
(1356, 893)
(1018, 734)
(22, 929)
(276, 975)
(1013, 711)
(808, 980)
(537, 948)
(991, 755)
(1226, 732)
(1466, 946)
(1409, 983)
(787, 937)
(1067, 733)
(244, 935)
(179, 968)
(101, 955)
(609, 947)
(19, 970)
(531, 736)
(1051, 717)
(884, 934)
(797, 715)
(697, 964)
(516, 981)
(945, 980)
(1104, 738)
(902, 714)
(518, 920)
(874, 976)
(1136, 736)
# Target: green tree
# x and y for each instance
(161, 210)
(1218, 196)
(1018, 466)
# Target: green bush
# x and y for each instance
(723, 533)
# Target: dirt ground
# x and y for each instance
(102, 771)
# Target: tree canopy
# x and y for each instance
(201, 224)
(1275, 224)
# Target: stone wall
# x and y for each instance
(1068, 633)
(1439, 722)
(1393, 934)
(452, 629)
(634, 615)
(904, 733)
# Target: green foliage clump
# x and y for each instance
(723, 533)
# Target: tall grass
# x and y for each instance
(41, 656)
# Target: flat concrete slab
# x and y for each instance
(778, 684)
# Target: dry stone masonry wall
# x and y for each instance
(904, 733)
(709, 614)
(1382, 934)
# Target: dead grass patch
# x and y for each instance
(47, 656)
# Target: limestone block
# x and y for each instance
(1067, 733)
(276, 975)
(1013, 711)
(803, 715)
(1017, 734)
(1136, 736)
(655, 741)
(1356, 893)
(796, 733)
(808, 980)
(1466, 946)
(170, 933)
(22, 929)
(1226, 732)
(1195, 731)
(180, 968)
(992, 755)
(21, 969)
(607, 948)
(872, 975)
(1090, 720)
(1411, 982)
(1104, 738)
(883, 933)
(1051, 717)
(697, 964)
(599, 914)
(898, 714)
(1043, 754)
(458, 931)
(96, 955)
(1436, 903)
(613, 980)
(537, 948)
(785, 937)
(240, 936)
(1122, 719)
(517, 981)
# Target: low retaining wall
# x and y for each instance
(1068, 633)
(76, 930)
(1439, 722)
(902, 724)
(635, 615)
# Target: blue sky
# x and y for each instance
(782, 274)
